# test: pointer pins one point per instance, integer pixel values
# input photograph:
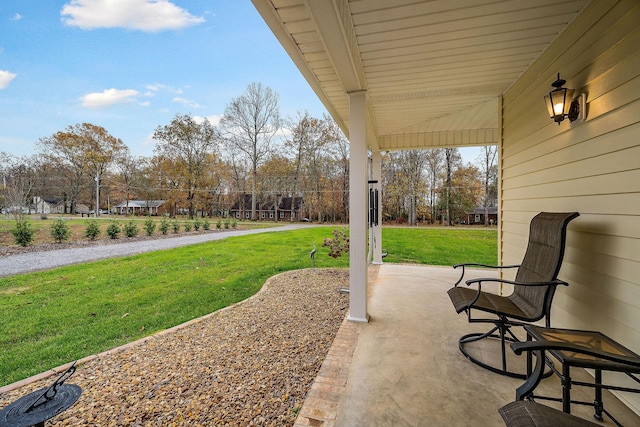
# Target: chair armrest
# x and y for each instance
(473, 264)
(519, 347)
(555, 282)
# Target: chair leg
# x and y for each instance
(500, 332)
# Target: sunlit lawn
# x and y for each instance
(53, 317)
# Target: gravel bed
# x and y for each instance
(251, 364)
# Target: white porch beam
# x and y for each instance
(358, 192)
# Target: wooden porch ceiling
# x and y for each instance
(433, 70)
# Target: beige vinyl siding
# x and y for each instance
(591, 167)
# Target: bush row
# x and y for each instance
(23, 233)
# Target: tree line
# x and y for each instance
(253, 154)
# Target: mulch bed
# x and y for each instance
(251, 364)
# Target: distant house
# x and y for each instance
(139, 207)
(269, 210)
(477, 216)
(44, 205)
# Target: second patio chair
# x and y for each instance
(533, 288)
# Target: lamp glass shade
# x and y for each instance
(558, 103)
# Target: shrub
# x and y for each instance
(150, 226)
(60, 231)
(234, 223)
(197, 224)
(339, 243)
(205, 224)
(219, 224)
(131, 229)
(187, 226)
(227, 222)
(164, 225)
(23, 233)
(175, 225)
(113, 230)
(92, 231)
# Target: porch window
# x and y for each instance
(281, 214)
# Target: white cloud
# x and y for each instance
(186, 102)
(144, 15)
(109, 98)
(5, 78)
(16, 17)
(149, 140)
(213, 119)
(156, 87)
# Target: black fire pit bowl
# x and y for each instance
(37, 407)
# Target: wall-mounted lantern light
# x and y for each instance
(561, 104)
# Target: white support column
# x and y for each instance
(376, 232)
(358, 195)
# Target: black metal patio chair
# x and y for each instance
(533, 289)
(524, 412)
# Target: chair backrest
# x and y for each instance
(541, 262)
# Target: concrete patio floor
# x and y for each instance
(404, 368)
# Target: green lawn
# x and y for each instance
(53, 317)
(440, 246)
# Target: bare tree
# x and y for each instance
(190, 149)
(128, 166)
(251, 121)
(412, 164)
(310, 142)
(488, 157)
(434, 162)
(18, 176)
(452, 160)
(339, 158)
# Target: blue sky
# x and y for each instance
(132, 65)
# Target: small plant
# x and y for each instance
(339, 243)
(60, 231)
(187, 226)
(234, 223)
(164, 226)
(23, 233)
(219, 224)
(92, 231)
(175, 225)
(113, 230)
(150, 226)
(131, 229)
(227, 222)
(197, 224)
(206, 224)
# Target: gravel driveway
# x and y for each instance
(36, 261)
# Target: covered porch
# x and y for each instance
(404, 368)
(416, 74)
